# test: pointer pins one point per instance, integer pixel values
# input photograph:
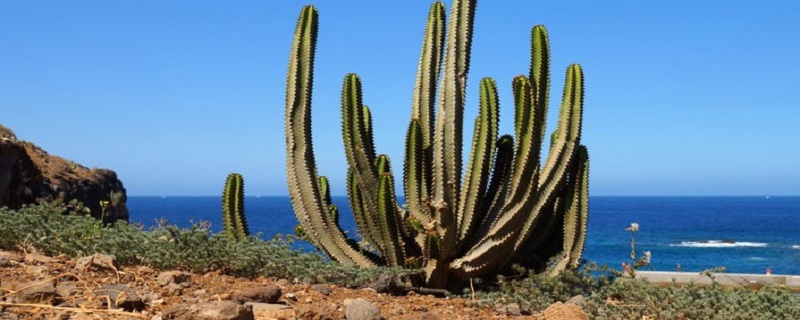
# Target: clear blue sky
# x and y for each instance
(682, 97)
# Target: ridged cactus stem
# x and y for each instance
(233, 208)
(301, 174)
(357, 137)
(513, 229)
(540, 75)
(387, 215)
(418, 184)
(581, 178)
(448, 134)
(480, 161)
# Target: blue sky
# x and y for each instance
(682, 97)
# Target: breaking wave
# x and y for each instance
(796, 247)
(720, 244)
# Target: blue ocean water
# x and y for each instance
(743, 234)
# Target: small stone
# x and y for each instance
(513, 309)
(121, 296)
(172, 289)
(215, 310)
(579, 300)
(36, 292)
(559, 310)
(39, 271)
(71, 303)
(66, 289)
(387, 284)
(271, 311)
(156, 302)
(149, 296)
(79, 316)
(265, 294)
(97, 260)
(199, 292)
(429, 316)
(177, 277)
(291, 296)
(5, 261)
(283, 283)
(321, 289)
(419, 308)
(9, 316)
(33, 258)
(360, 309)
(317, 312)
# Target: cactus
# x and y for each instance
(233, 208)
(509, 206)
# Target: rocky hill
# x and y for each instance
(29, 174)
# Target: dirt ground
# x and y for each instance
(33, 286)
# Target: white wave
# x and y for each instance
(719, 244)
(796, 247)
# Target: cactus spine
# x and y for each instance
(510, 205)
(233, 208)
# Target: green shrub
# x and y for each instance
(51, 229)
(609, 296)
(634, 299)
(536, 291)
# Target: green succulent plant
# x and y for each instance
(508, 207)
(233, 208)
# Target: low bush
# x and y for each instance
(608, 295)
(53, 230)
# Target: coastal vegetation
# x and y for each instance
(52, 229)
(509, 207)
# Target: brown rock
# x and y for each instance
(36, 292)
(35, 258)
(11, 257)
(271, 311)
(560, 311)
(66, 289)
(177, 277)
(172, 289)
(317, 311)
(29, 174)
(215, 310)
(324, 290)
(579, 300)
(97, 260)
(265, 294)
(121, 296)
(361, 309)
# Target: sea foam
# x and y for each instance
(719, 244)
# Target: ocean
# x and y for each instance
(742, 234)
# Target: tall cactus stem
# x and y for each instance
(233, 208)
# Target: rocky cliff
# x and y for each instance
(29, 174)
